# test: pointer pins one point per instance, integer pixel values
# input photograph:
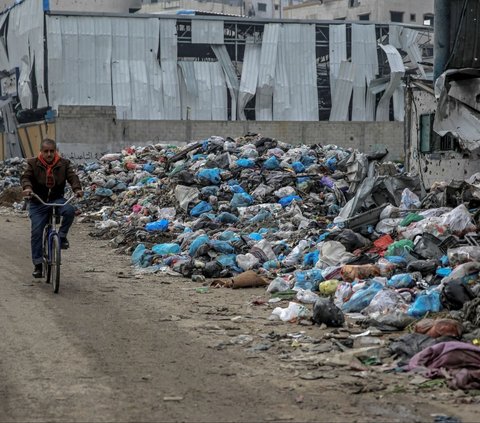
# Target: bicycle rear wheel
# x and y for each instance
(47, 264)
(55, 263)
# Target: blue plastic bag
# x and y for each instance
(138, 253)
(200, 208)
(285, 201)
(310, 259)
(164, 249)
(222, 247)
(307, 160)
(103, 192)
(159, 225)
(271, 264)
(298, 167)
(197, 243)
(228, 260)
(399, 260)
(362, 298)
(245, 163)
(255, 236)
(271, 163)
(332, 163)
(428, 302)
(402, 280)
(149, 167)
(308, 279)
(210, 190)
(444, 271)
(241, 199)
(236, 188)
(209, 176)
(228, 236)
(226, 217)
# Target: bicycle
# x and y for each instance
(52, 245)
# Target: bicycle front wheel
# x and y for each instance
(55, 263)
(47, 265)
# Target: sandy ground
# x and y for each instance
(115, 346)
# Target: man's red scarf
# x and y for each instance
(50, 182)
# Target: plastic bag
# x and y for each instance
(222, 247)
(402, 280)
(160, 225)
(459, 221)
(209, 176)
(241, 199)
(246, 163)
(292, 313)
(409, 200)
(298, 167)
(278, 285)
(271, 163)
(387, 226)
(410, 218)
(197, 243)
(200, 208)
(362, 298)
(384, 302)
(296, 254)
(168, 248)
(400, 248)
(285, 201)
(311, 258)
(328, 287)
(306, 297)
(308, 279)
(247, 261)
(226, 217)
(462, 255)
(326, 312)
(428, 302)
(390, 212)
(138, 253)
(343, 293)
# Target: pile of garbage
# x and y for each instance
(337, 233)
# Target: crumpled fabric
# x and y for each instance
(458, 362)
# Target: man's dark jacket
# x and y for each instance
(35, 177)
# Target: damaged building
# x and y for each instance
(443, 118)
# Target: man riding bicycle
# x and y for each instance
(46, 176)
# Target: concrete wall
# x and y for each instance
(88, 132)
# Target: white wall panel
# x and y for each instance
(337, 52)
(207, 32)
(168, 63)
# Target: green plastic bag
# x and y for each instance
(410, 218)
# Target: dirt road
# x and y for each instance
(112, 346)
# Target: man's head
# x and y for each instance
(48, 149)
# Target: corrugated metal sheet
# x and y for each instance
(153, 70)
(168, 63)
(406, 39)
(268, 60)
(343, 92)
(55, 61)
(230, 75)
(71, 70)
(397, 70)
(365, 60)
(86, 62)
(25, 47)
(139, 89)
(218, 91)
(4, 62)
(103, 60)
(203, 103)
(295, 90)
(207, 32)
(337, 49)
(249, 78)
(188, 88)
(121, 90)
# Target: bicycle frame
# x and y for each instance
(50, 239)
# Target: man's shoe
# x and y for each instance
(38, 271)
(64, 244)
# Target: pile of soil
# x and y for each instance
(10, 195)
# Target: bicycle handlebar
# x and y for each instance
(51, 204)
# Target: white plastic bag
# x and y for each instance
(293, 312)
(459, 220)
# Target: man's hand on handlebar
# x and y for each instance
(27, 192)
(79, 193)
